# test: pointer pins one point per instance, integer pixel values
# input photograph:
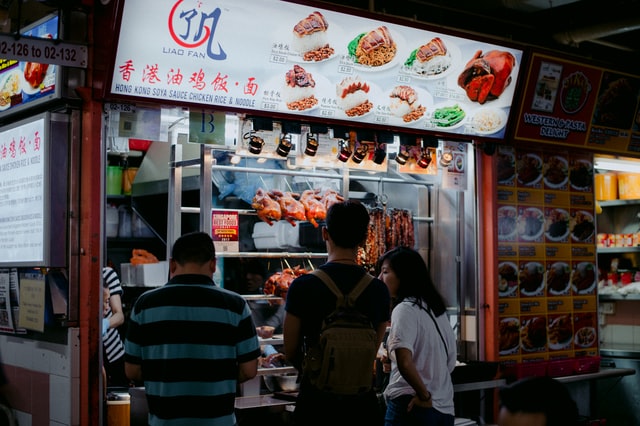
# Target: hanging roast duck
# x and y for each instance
(486, 76)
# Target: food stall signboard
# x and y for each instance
(315, 63)
(26, 83)
(573, 104)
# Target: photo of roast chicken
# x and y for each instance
(314, 207)
(292, 209)
(267, 208)
(485, 77)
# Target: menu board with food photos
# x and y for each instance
(24, 84)
(287, 58)
(547, 275)
(573, 104)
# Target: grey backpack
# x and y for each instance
(342, 361)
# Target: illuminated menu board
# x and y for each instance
(547, 272)
(287, 58)
(27, 83)
(574, 104)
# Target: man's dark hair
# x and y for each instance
(194, 247)
(348, 223)
(541, 395)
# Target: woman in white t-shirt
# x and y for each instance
(421, 344)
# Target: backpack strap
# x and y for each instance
(352, 296)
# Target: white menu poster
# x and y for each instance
(22, 165)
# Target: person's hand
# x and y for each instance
(417, 402)
(105, 326)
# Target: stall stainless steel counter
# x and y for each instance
(618, 398)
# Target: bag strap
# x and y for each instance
(352, 296)
(427, 310)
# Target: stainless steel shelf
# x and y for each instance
(604, 250)
(602, 297)
(617, 203)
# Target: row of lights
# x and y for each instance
(349, 148)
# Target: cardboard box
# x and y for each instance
(145, 275)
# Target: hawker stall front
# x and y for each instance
(220, 117)
(574, 126)
(40, 123)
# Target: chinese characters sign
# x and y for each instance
(222, 53)
(22, 163)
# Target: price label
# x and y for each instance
(119, 107)
(44, 51)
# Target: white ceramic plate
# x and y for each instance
(560, 268)
(453, 52)
(397, 59)
(582, 164)
(588, 217)
(11, 83)
(561, 163)
(560, 215)
(529, 161)
(530, 215)
(424, 98)
(508, 287)
(447, 105)
(509, 212)
(559, 345)
(525, 347)
(532, 268)
(581, 269)
(488, 120)
(506, 160)
(514, 348)
(585, 337)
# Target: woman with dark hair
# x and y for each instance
(421, 344)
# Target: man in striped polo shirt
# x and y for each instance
(191, 342)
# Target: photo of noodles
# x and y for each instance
(374, 48)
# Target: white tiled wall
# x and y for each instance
(60, 362)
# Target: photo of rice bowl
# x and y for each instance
(405, 103)
(488, 120)
(309, 38)
(431, 60)
(298, 92)
(353, 95)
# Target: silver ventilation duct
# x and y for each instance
(595, 32)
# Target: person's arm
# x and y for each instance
(292, 336)
(381, 331)
(133, 371)
(117, 317)
(247, 370)
(409, 372)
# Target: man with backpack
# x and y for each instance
(332, 339)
